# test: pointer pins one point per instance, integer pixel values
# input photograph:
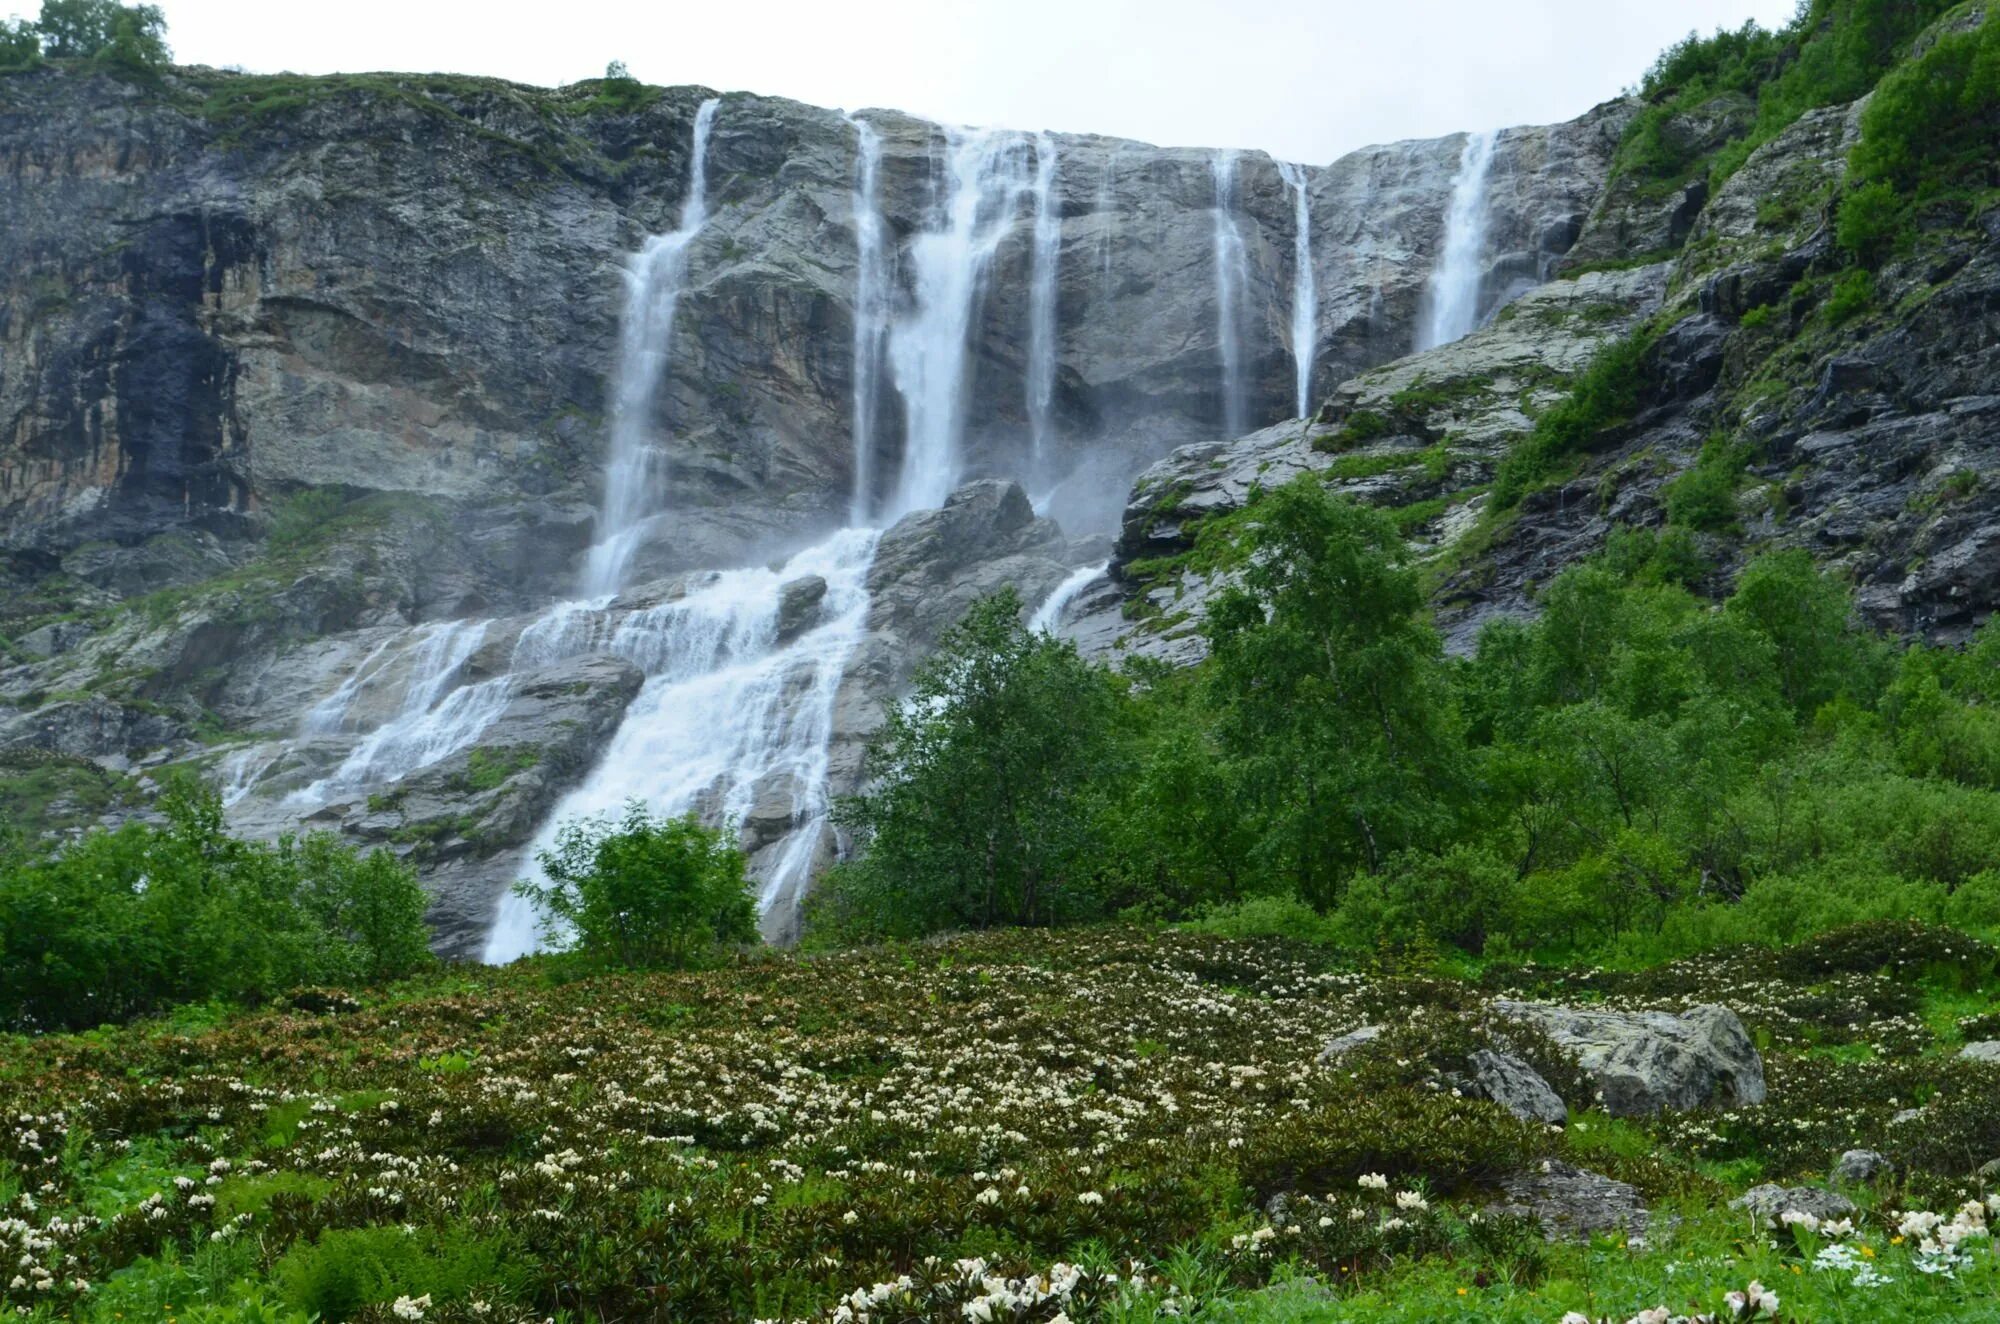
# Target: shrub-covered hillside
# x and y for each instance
(990, 1129)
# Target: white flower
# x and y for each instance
(1657, 1315)
(850, 1218)
(1089, 1197)
(408, 1308)
(1411, 1200)
(1373, 1181)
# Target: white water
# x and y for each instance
(1042, 301)
(1453, 293)
(654, 281)
(727, 717)
(1231, 275)
(1305, 297)
(871, 312)
(1049, 615)
(986, 176)
(438, 715)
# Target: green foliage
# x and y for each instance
(989, 784)
(1853, 294)
(1603, 397)
(125, 922)
(488, 769)
(127, 37)
(20, 45)
(1872, 223)
(1934, 119)
(1327, 687)
(1704, 497)
(350, 1268)
(643, 891)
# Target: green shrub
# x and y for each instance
(131, 37)
(1604, 396)
(1703, 498)
(1853, 294)
(1872, 222)
(20, 45)
(347, 1269)
(1265, 917)
(1935, 119)
(126, 922)
(644, 891)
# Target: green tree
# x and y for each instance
(20, 44)
(1328, 684)
(122, 923)
(990, 786)
(130, 35)
(1808, 618)
(643, 891)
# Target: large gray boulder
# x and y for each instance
(1340, 1046)
(1987, 1051)
(1859, 1167)
(1770, 1202)
(1517, 1087)
(1647, 1061)
(1573, 1203)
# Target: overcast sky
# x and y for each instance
(1303, 79)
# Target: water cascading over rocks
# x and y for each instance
(1231, 274)
(653, 290)
(969, 254)
(1453, 295)
(1305, 299)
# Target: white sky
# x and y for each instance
(1301, 79)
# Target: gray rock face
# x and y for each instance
(1341, 1045)
(798, 605)
(1573, 1203)
(1769, 1203)
(1475, 396)
(1647, 1061)
(1860, 1167)
(464, 819)
(1515, 1086)
(1988, 1051)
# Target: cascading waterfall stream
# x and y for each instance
(730, 723)
(986, 176)
(654, 281)
(1231, 275)
(1049, 616)
(1453, 292)
(1042, 302)
(871, 312)
(1305, 298)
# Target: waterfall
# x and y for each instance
(1305, 298)
(438, 715)
(653, 283)
(871, 311)
(1048, 617)
(1042, 301)
(1453, 293)
(985, 178)
(1231, 275)
(732, 723)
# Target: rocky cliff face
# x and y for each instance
(303, 413)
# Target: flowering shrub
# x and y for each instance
(1098, 1124)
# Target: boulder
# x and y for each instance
(1517, 1087)
(1647, 1061)
(798, 605)
(1770, 1202)
(1859, 1167)
(1987, 1051)
(1341, 1046)
(1573, 1203)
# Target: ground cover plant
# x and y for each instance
(1010, 1119)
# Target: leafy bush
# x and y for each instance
(1853, 294)
(130, 37)
(1604, 396)
(20, 45)
(1704, 496)
(643, 892)
(122, 923)
(990, 781)
(1872, 223)
(1934, 119)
